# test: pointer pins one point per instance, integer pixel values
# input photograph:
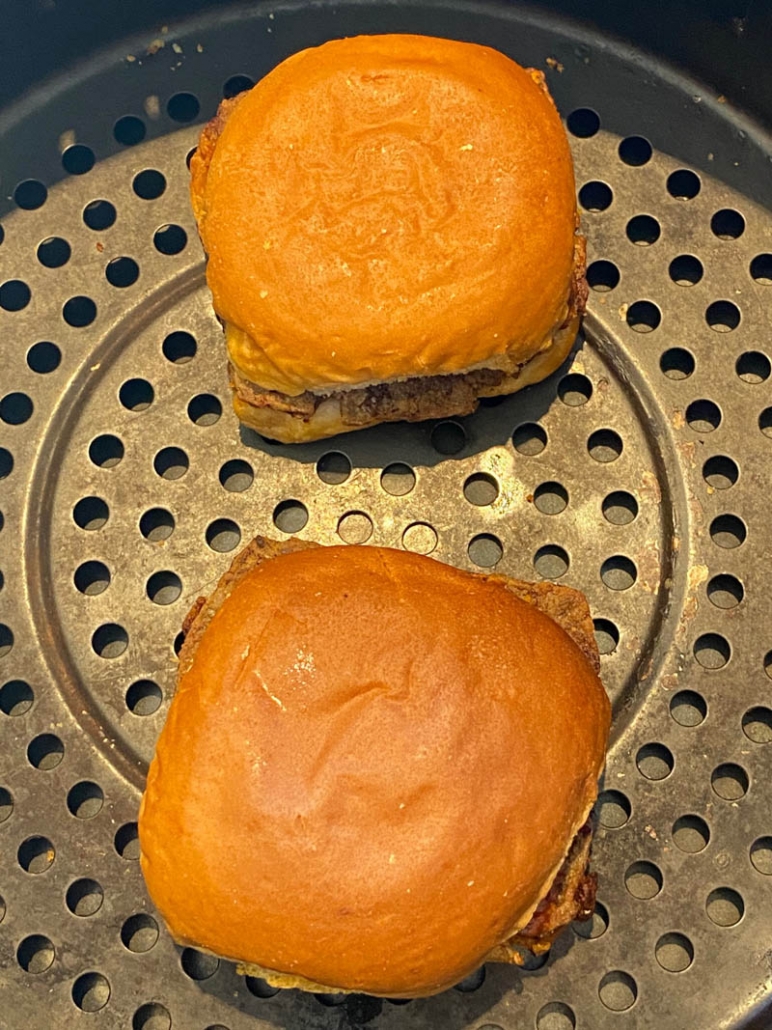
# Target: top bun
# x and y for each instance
(372, 769)
(384, 207)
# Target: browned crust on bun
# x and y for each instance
(382, 208)
(382, 825)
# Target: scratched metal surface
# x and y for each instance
(638, 473)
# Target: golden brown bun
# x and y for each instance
(383, 207)
(373, 767)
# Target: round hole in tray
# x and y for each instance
(594, 927)
(44, 357)
(179, 347)
(53, 252)
(144, 697)
(574, 389)
(613, 808)
(761, 855)
(15, 295)
(91, 992)
(620, 508)
(556, 1016)
(222, 535)
(260, 988)
(606, 635)
(729, 781)
(99, 215)
(683, 184)
(725, 591)
(643, 316)
(30, 194)
(16, 698)
(334, 468)
(92, 578)
(727, 224)
(236, 476)
(149, 184)
(355, 527)
(643, 880)
(164, 587)
(419, 537)
(197, 964)
(90, 513)
(122, 272)
(583, 122)
(36, 855)
(551, 561)
(110, 640)
(643, 230)
(170, 239)
(550, 498)
(84, 897)
(6, 639)
(171, 463)
(16, 408)
(156, 525)
(720, 472)
(691, 834)
(728, 531)
(79, 312)
(398, 479)
(6, 804)
(236, 84)
(290, 516)
(151, 1016)
(596, 196)
(139, 933)
(204, 409)
(654, 761)
(481, 489)
(618, 990)
(183, 107)
(605, 445)
(448, 438)
(712, 651)
(635, 151)
(688, 708)
(485, 550)
(85, 799)
(757, 724)
(45, 751)
(753, 367)
(686, 270)
(602, 276)
(106, 451)
(126, 841)
(35, 954)
(129, 130)
(725, 906)
(529, 439)
(674, 952)
(761, 269)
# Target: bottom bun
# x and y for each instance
(312, 416)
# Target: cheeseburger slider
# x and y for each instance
(390, 223)
(377, 771)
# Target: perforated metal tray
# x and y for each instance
(638, 474)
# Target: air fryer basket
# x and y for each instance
(639, 473)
